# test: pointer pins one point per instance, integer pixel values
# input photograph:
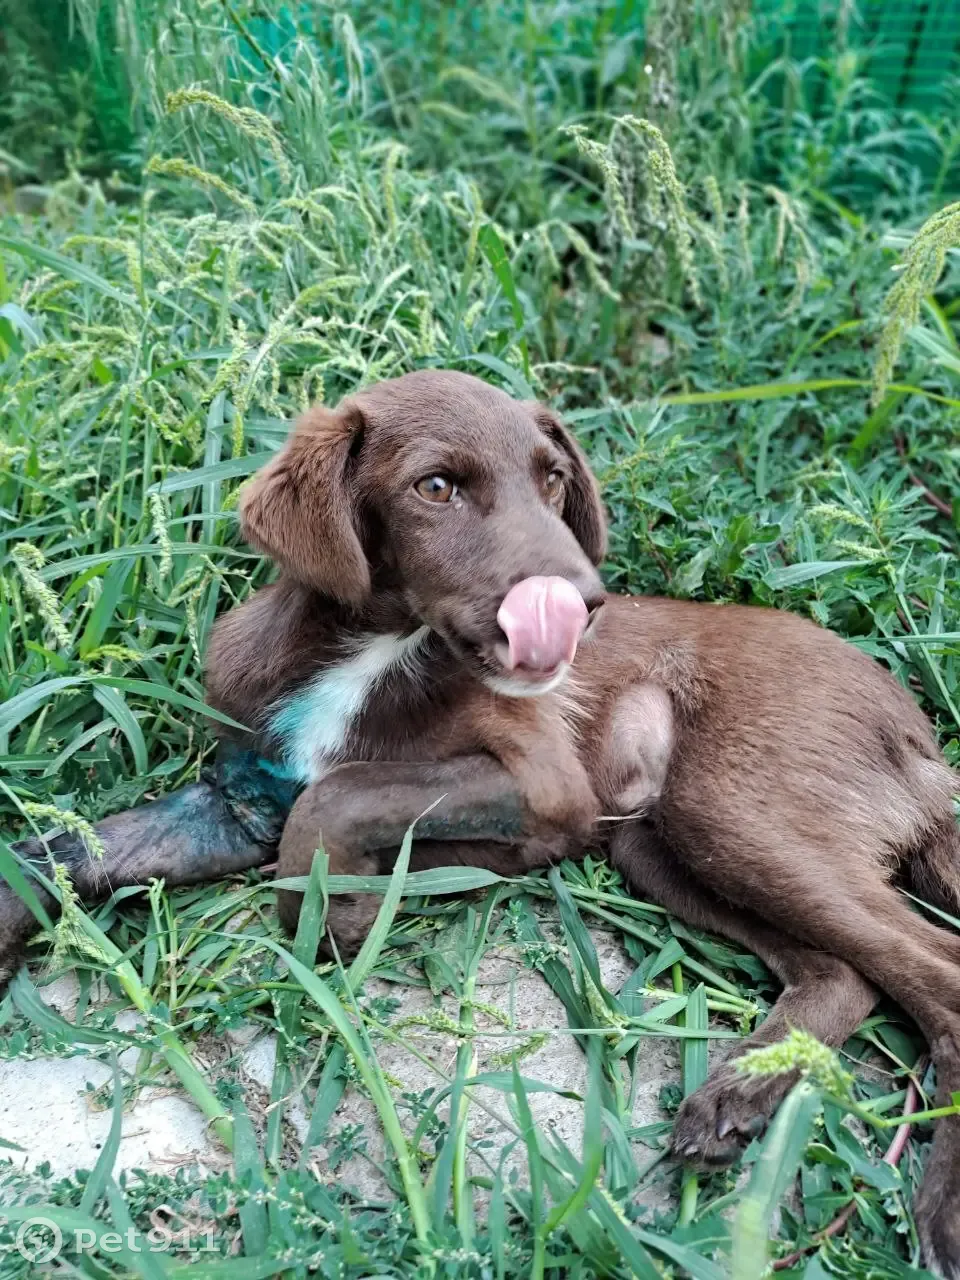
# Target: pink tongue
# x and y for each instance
(543, 620)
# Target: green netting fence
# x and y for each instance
(909, 49)
(913, 45)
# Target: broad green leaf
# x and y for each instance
(22, 322)
(114, 703)
(794, 575)
(777, 390)
(874, 425)
(312, 911)
(528, 1133)
(16, 710)
(493, 247)
(232, 1269)
(103, 1169)
(135, 1250)
(80, 564)
(102, 613)
(578, 936)
(438, 880)
(246, 1161)
(593, 1146)
(330, 1090)
(229, 469)
(512, 377)
(27, 1000)
(374, 942)
(693, 1051)
(68, 267)
(371, 1074)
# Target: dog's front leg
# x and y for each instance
(227, 823)
(362, 810)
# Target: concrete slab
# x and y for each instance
(50, 1108)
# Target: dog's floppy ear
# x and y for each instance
(299, 509)
(582, 507)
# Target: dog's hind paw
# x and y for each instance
(940, 1242)
(724, 1113)
(937, 1208)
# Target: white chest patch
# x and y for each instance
(312, 725)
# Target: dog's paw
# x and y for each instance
(724, 1113)
(349, 921)
(17, 925)
(936, 1207)
(10, 962)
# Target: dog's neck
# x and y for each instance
(313, 726)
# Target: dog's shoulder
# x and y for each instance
(263, 648)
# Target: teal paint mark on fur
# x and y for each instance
(312, 726)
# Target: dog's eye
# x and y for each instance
(553, 486)
(436, 488)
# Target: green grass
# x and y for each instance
(460, 185)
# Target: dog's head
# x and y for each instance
(479, 509)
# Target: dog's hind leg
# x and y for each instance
(227, 823)
(821, 994)
(822, 874)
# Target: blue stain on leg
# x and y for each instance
(258, 791)
(230, 821)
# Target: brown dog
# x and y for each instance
(772, 779)
(439, 631)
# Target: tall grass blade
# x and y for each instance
(102, 1173)
(372, 1076)
(375, 940)
(69, 268)
(776, 1165)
